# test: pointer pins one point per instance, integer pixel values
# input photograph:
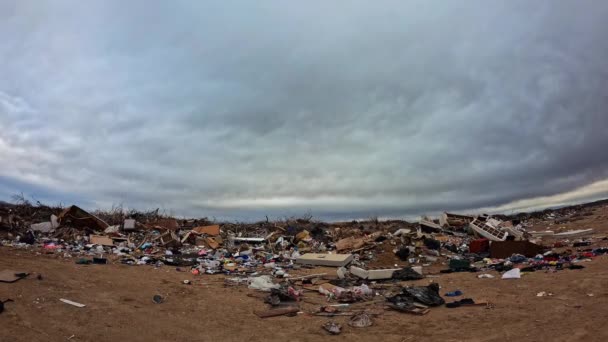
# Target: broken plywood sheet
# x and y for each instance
(169, 224)
(79, 218)
(101, 240)
(277, 312)
(212, 243)
(335, 260)
(349, 243)
(213, 230)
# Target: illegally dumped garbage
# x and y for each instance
(455, 293)
(72, 303)
(361, 320)
(333, 328)
(158, 299)
(354, 269)
(262, 283)
(407, 273)
(79, 218)
(346, 295)
(485, 276)
(427, 295)
(512, 274)
(467, 302)
(277, 312)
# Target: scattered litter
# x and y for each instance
(158, 299)
(427, 295)
(485, 276)
(576, 267)
(407, 273)
(100, 261)
(454, 293)
(361, 320)
(512, 274)
(372, 259)
(332, 328)
(291, 310)
(468, 302)
(67, 301)
(262, 283)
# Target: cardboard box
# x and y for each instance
(101, 240)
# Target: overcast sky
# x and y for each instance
(344, 109)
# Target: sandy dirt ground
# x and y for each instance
(119, 306)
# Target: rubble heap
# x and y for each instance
(365, 266)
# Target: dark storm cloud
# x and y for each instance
(345, 108)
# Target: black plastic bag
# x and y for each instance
(407, 273)
(427, 295)
(403, 253)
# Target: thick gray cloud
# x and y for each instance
(346, 109)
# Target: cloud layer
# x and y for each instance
(346, 109)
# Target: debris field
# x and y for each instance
(69, 274)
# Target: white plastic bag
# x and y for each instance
(262, 283)
(512, 274)
(485, 275)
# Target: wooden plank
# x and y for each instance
(277, 312)
(67, 301)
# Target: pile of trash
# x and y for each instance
(371, 262)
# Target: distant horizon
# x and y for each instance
(414, 218)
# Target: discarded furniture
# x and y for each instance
(504, 249)
(486, 230)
